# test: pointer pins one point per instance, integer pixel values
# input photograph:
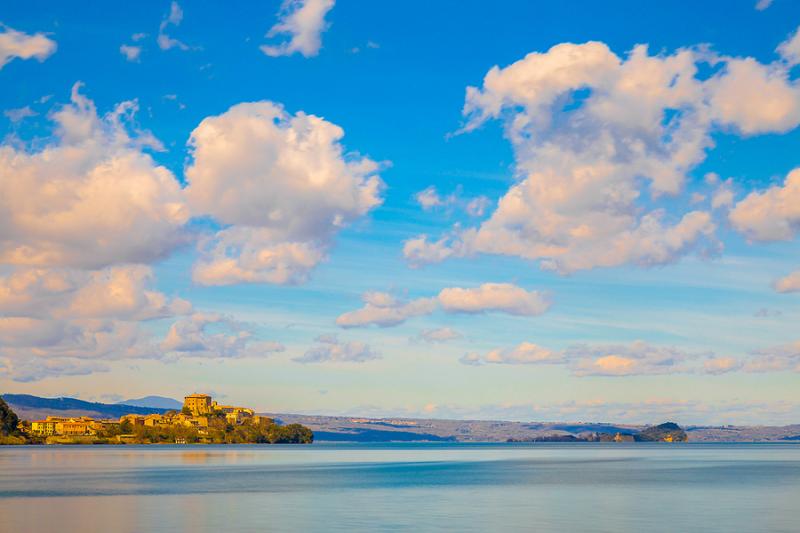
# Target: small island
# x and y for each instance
(666, 432)
(201, 421)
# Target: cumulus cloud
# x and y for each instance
(525, 353)
(776, 359)
(29, 370)
(637, 358)
(80, 218)
(173, 18)
(640, 358)
(385, 310)
(761, 5)
(723, 195)
(122, 293)
(747, 80)
(193, 337)
(790, 283)
(721, 365)
(501, 297)
(330, 349)
(251, 255)
(429, 199)
(594, 132)
(439, 335)
(771, 215)
(131, 53)
(303, 21)
(281, 184)
(91, 198)
(419, 251)
(15, 44)
(789, 50)
(49, 318)
(20, 114)
(477, 206)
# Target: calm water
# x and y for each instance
(418, 487)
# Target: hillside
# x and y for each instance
(357, 429)
(30, 407)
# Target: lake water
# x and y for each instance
(413, 487)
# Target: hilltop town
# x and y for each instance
(201, 420)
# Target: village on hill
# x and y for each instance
(201, 420)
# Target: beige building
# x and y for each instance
(198, 404)
(134, 420)
(46, 427)
(54, 425)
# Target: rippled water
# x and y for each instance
(419, 487)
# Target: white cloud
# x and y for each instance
(331, 349)
(721, 365)
(15, 43)
(592, 134)
(34, 369)
(173, 18)
(122, 293)
(284, 186)
(640, 358)
(384, 310)
(502, 297)
(525, 353)
(776, 359)
(32, 348)
(251, 255)
(20, 114)
(439, 335)
(746, 82)
(91, 198)
(50, 318)
(477, 206)
(192, 337)
(131, 52)
(790, 49)
(303, 21)
(723, 195)
(761, 5)
(771, 215)
(419, 251)
(637, 358)
(790, 283)
(429, 198)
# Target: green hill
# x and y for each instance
(667, 432)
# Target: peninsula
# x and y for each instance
(201, 421)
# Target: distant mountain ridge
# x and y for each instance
(158, 402)
(32, 407)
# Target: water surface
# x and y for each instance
(389, 487)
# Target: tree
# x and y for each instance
(8, 419)
(186, 411)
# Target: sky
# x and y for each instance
(524, 211)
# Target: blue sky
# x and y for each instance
(506, 309)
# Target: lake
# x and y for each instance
(595, 487)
